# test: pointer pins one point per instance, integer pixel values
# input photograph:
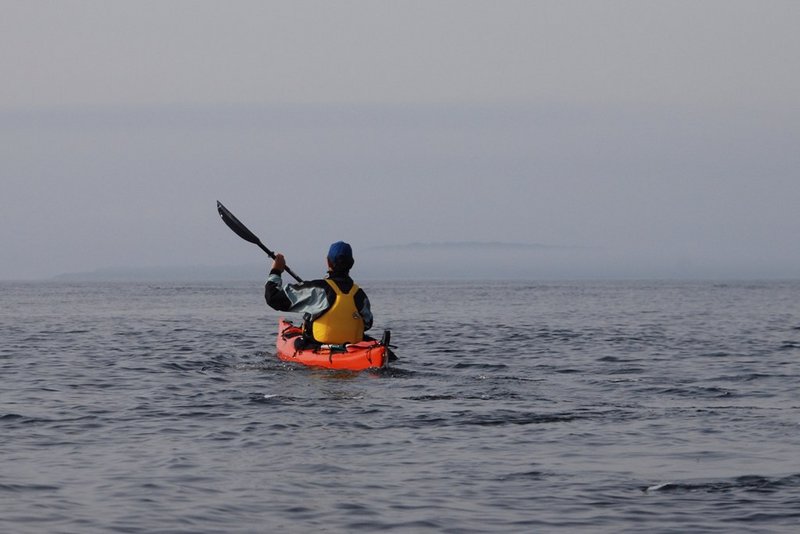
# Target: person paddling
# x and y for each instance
(335, 310)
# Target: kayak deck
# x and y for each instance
(367, 354)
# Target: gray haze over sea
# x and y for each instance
(615, 139)
(515, 407)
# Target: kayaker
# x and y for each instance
(335, 310)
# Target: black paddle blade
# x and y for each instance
(242, 231)
(236, 225)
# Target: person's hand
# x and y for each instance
(279, 263)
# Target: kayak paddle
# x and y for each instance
(242, 231)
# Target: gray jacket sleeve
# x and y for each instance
(296, 298)
(366, 313)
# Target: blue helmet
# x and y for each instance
(340, 249)
(341, 255)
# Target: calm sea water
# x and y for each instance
(515, 407)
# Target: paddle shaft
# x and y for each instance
(272, 255)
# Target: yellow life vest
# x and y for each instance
(341, 323)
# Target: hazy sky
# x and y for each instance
(656, 138)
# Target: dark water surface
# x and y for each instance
(515, 407)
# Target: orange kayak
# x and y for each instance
(368, 354)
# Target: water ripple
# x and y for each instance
(538, 407)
